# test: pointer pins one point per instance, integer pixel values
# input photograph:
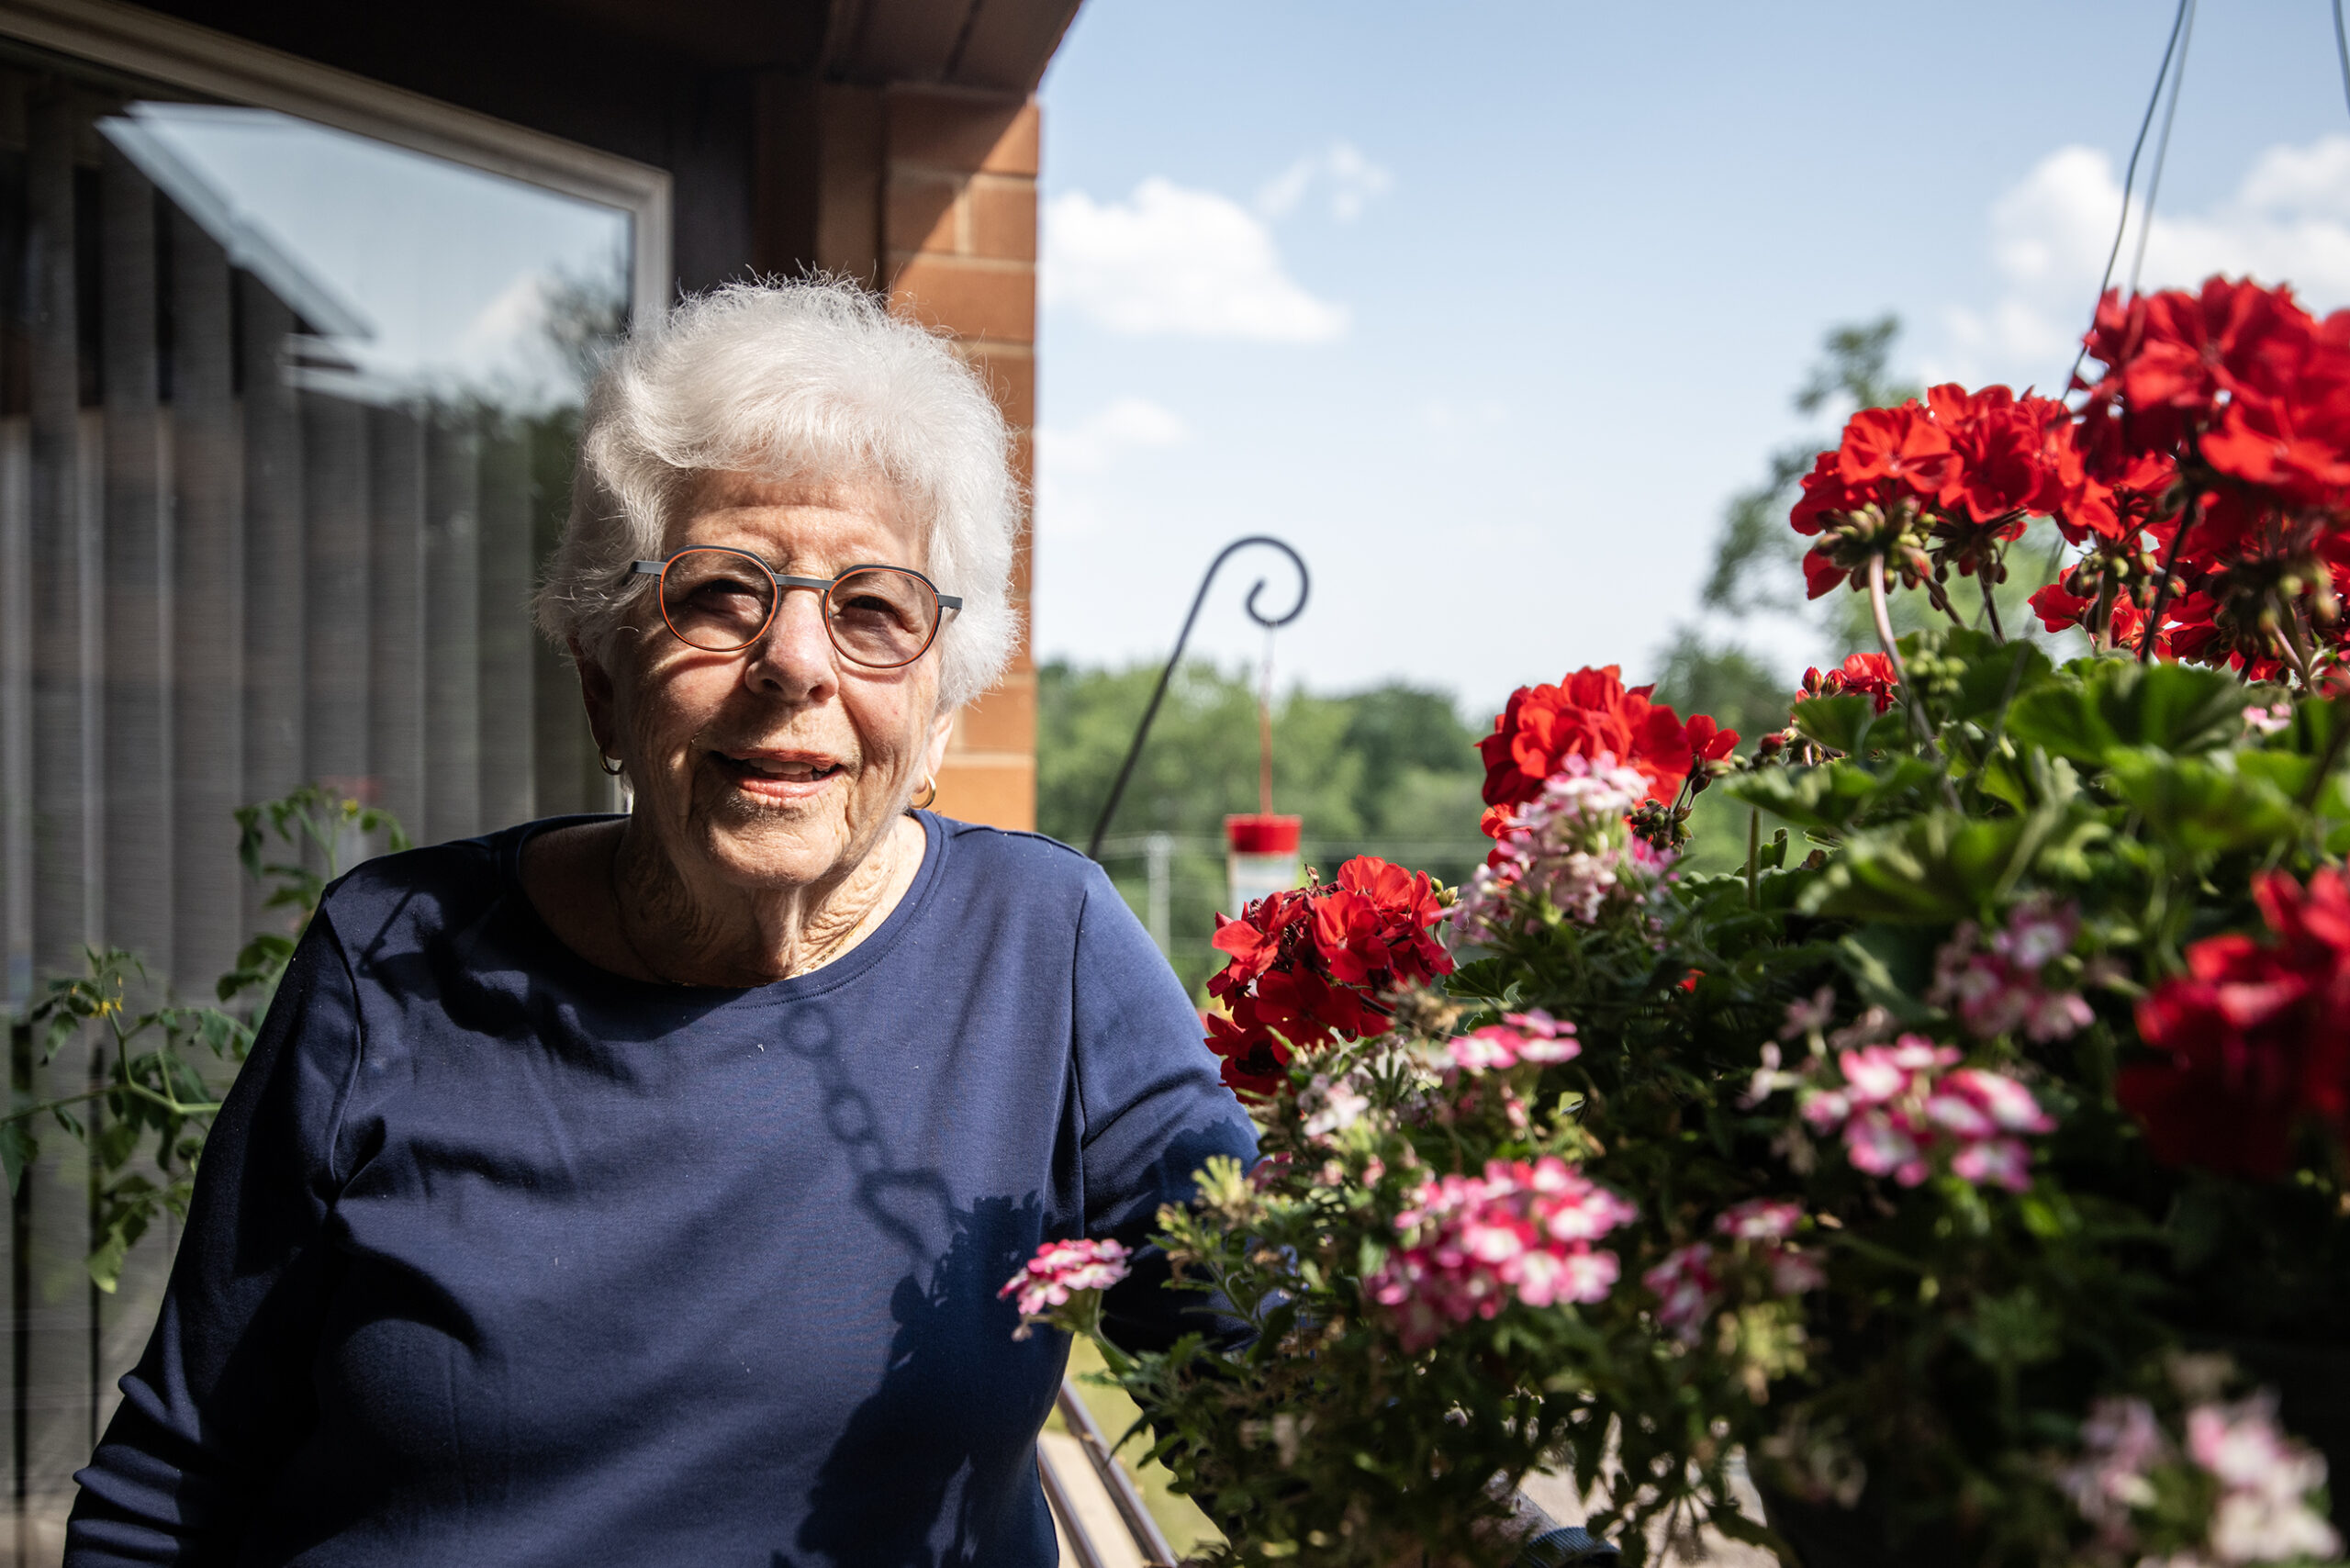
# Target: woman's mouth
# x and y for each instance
(778, 777)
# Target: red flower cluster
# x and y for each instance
(1867, 674)
(2230, 407)
(1942, 483)
(2208, 467)
(2255, 1036)
(1311, 963)
(1587, 714)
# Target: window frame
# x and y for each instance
(181, 55)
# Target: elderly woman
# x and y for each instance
(636, 1189)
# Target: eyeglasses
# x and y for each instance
(721, 601)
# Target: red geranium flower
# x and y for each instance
(1870, 675)
(2255, 1036)
(1903, 445)
(1588, 713)
(2127, 623)
(2013, 455)
(1310, 964)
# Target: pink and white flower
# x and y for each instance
(1471, 1243)
(1062, 1269)
(1571, 846)
(1685, 1290)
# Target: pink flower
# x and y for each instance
(2000, 989)
(1487, 1050)
(1533, 1037)
(2268, 721)
(1545, 1039)
(1871, 1077)
(1685, 1290)
(1061, 1268)
(1760, 1228)
(1873, 1142)
(1471, 1243)
(2120, 1443)
(2002, 1161)
(1807, 1015)
(1793, 1271)
(2008, 1104)
(1827, 1109)
(1569, 846)
(2265, 1478)
(2057, 1016)
(2038, 932)
(1761, 1219)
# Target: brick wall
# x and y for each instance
(930, 192)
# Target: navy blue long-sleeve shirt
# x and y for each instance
(499, 1258)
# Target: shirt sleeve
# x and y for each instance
(222, 1394)
(1155, 1109)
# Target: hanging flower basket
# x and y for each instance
(1969, 1164)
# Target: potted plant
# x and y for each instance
(1969, 1164)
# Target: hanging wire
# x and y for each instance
(2342, 49)
(1265, 731)
(2130, 175)
(2182, 27)
(2161, 154)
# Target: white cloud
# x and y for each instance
(1094, 444)
(1170, 261)
(2287, 221)
(1076, 465)
(1352, 180)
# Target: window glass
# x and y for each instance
(287, 418)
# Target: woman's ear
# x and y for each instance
(596, 694)
(942, 730)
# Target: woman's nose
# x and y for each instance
(796, 653)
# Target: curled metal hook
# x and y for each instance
(1142, 731)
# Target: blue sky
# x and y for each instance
(1488, 308)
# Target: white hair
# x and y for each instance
(786, 379)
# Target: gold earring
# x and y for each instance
(930, 785)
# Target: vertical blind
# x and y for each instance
(230, 563)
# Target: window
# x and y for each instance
(288, 410)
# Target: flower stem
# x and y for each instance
(2162, 585)
(1990, 604)
(1753, 852)
(1910, 699)
(2288, 626)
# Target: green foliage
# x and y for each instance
(152, 1100)
(1943, 1366)
(1392, 772)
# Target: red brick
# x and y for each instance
(998, 789)
(932, 127)
(1003, 218)
(971, 299)
(1003, 720)
(1010, 372)
(921, 213)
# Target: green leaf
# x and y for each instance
(2116, 704)
(1890, 966)
(1992, 673)
(19, 1149)
(105, 1261)
(2203, 805)
(1830, 798)
(1841, 724)
(1937, 868)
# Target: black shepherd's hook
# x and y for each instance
(1142, 731)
